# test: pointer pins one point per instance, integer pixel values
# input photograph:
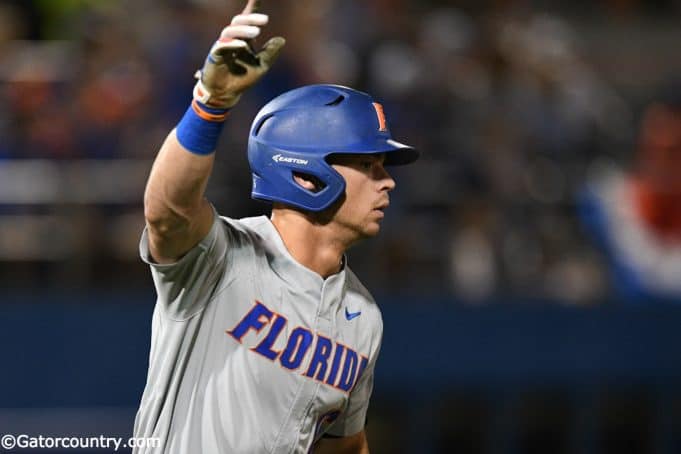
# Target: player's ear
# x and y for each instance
(309, 182)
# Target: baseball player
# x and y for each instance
(263, 340)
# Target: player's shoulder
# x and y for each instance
(355, 290)
(244, 228)
(355, 286)
(244, 224)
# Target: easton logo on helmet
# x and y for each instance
(280, 158)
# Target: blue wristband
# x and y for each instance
(200, 128)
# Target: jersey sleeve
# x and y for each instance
(185, 287)
(353, 419)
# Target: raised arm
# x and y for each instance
(177, 214)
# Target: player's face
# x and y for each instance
(367, 184)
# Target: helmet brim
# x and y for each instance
(396, 153)
(399, 154)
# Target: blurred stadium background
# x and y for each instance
(529, 269)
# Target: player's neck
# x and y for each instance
(315, 246)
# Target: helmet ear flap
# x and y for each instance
(274, 174)
(308, 181)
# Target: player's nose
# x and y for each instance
(387, 181)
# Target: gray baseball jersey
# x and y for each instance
(251, 352)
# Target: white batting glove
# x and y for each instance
(232, 66)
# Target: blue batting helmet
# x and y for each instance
(298, 130)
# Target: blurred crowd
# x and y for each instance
(515, 109)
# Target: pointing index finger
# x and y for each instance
(251, 7)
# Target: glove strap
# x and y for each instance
(204, 96)
(200, 93)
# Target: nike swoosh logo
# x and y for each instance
(351, 315)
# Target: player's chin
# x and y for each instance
(371, 229)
